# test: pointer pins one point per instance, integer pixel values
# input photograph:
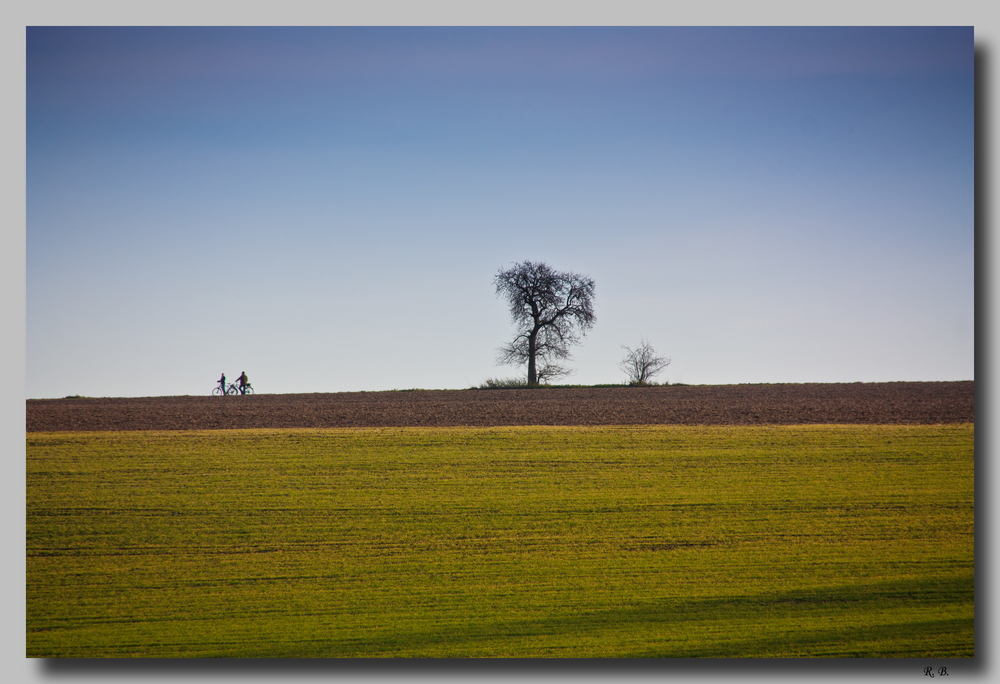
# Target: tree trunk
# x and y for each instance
(532, 372)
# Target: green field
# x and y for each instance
(829, 541)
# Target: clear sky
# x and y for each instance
(325, 208)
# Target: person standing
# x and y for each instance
(244, 381)
(222, 384)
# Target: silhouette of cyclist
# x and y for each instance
(222, 383)
(244, 381)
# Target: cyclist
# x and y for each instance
(222, 384)
(244, 381)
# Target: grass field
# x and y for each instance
(792, 541)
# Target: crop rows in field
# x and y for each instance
(779, 404)
(664, 541)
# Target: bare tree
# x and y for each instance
(551, 310)
(642, 363)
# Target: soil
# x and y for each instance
(781, 404)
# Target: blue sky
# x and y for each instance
(325, 208)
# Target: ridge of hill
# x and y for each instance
(778, 404)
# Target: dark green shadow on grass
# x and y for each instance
(852, 612)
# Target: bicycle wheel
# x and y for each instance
(233, 390)
(217, 392)
(248, 390)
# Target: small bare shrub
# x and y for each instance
(503, 383)
(642, 363)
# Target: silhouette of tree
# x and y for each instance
(642, 363)
(551, 310)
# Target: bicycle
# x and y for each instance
(232, 390)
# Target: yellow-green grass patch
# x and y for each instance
(662, 541)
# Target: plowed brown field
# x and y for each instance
(783, 404)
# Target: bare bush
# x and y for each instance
(503, 383)
(642, 363)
